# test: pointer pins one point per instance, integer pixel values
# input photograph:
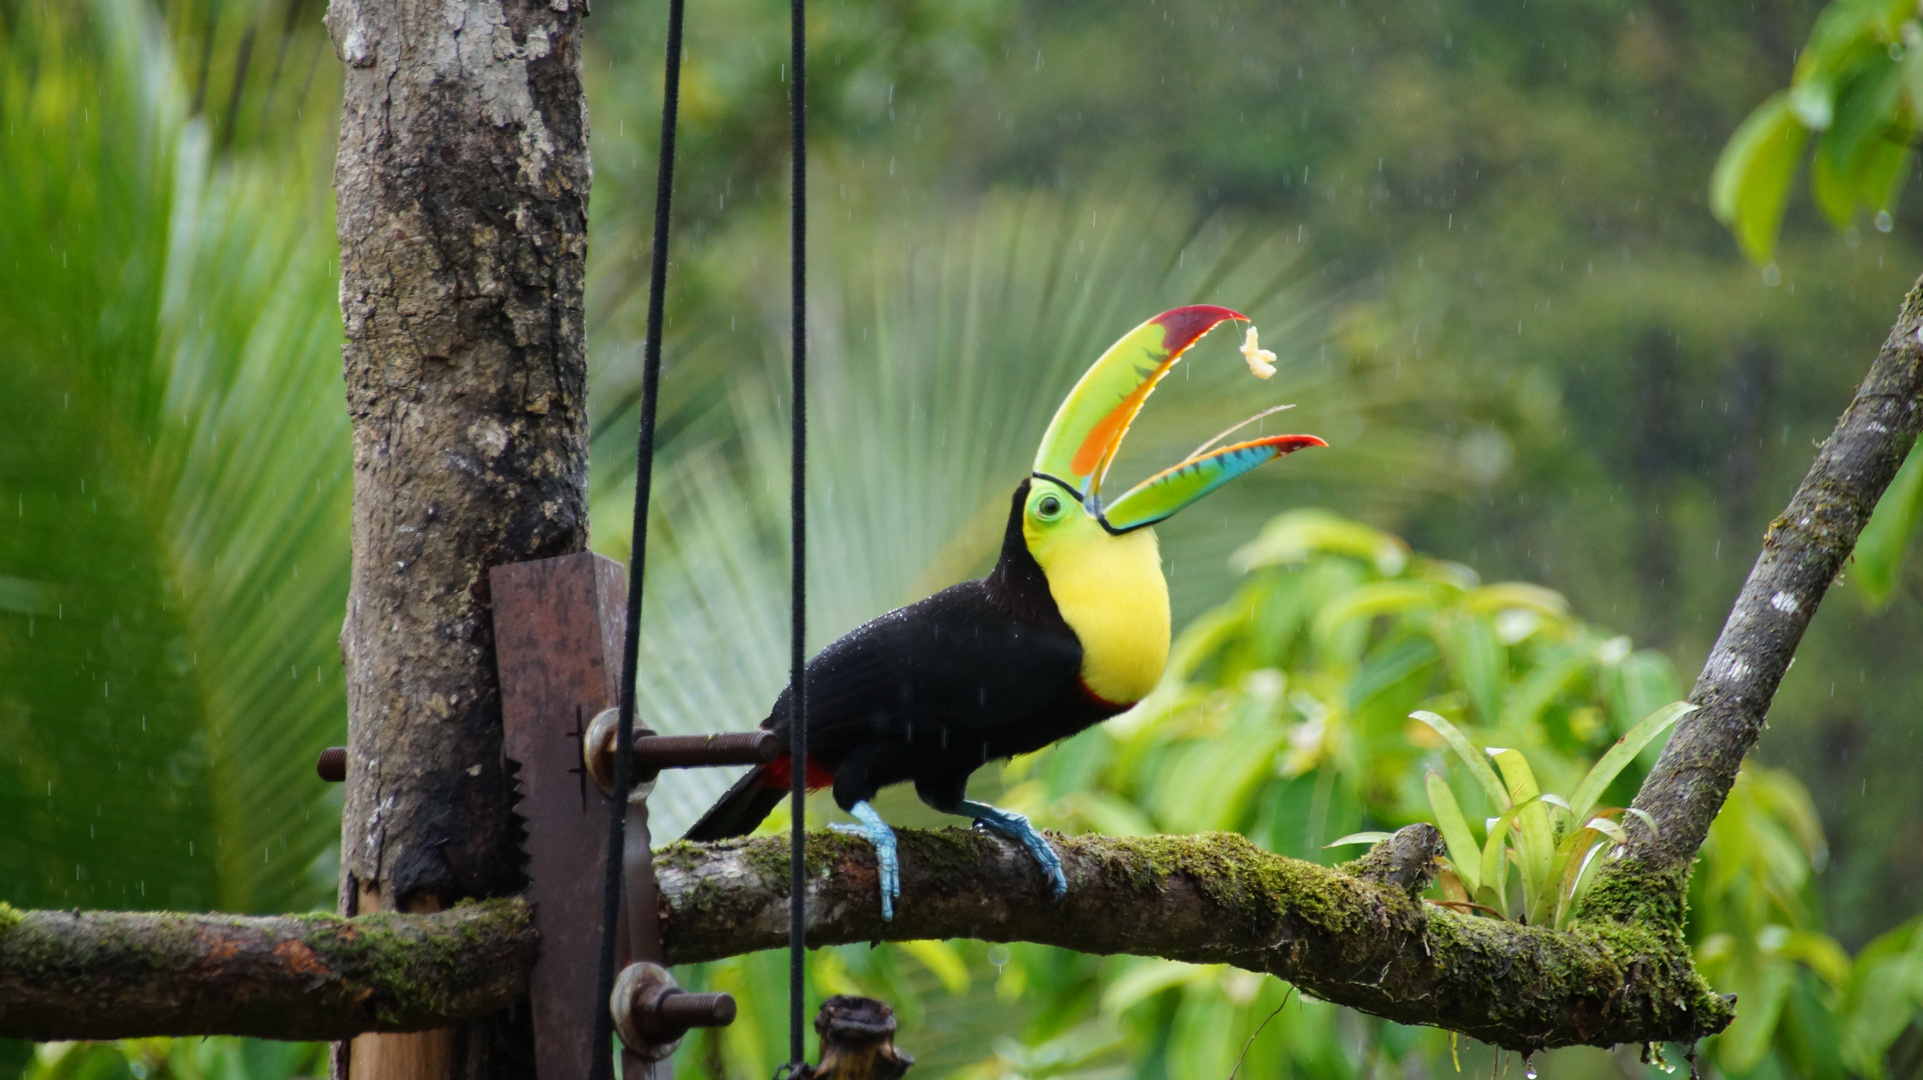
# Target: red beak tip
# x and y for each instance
(1182, 326)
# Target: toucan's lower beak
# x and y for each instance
(1162, 495)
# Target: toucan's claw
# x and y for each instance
(1016, 827)
(876, 832)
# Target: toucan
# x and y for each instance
(1070, 628)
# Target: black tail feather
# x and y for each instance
(745, 805)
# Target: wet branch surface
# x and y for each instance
(1803, 552)
(126, 974)
(1215, 898)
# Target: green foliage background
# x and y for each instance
(1480, 236)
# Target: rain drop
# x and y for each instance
(1883, 221)
(1529, 1069)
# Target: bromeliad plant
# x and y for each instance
(1556, 843)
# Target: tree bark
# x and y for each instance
(1803, 553)
(462, 181)
(121, 975)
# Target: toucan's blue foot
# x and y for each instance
(1016, 827)
(876, 831)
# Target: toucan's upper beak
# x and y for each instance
(1083, 438)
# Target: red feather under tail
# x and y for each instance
(776, 775)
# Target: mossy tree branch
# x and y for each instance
(1354, 935)
(1803, 552)
(117, 974)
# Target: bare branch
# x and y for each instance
(116, 975)
(1213, 898)
(1803, 552)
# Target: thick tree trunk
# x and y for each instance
(462, 181)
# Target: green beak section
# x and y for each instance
(1161, 495)
(1086, 433)
(1082, 440)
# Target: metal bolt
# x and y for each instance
(652, 752)
(652, 1013)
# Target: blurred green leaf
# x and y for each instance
(1750, 186)
(1881, 548)
(1477, 660)
(1856, 157)
(1295, 536)
(175, 450)
(1358, 838)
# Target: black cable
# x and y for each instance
(798, 511)
(601, 1050)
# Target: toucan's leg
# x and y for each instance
(876, 831)
(1016, 827)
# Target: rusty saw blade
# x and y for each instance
(557, 634)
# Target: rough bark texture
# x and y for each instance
(462, 183)
(1803, 552)
(1209, 899)
(117, 975)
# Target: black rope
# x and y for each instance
(798, 511)
(601, 1050)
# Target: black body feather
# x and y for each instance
(930, 692)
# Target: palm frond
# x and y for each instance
(175, 447)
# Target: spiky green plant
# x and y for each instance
(1553, 842)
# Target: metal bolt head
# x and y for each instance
(597, 755)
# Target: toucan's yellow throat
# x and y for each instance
(1109, 589)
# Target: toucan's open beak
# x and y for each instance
(1086, 433)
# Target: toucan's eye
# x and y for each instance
(1048, 508)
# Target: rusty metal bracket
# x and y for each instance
(557, 633)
